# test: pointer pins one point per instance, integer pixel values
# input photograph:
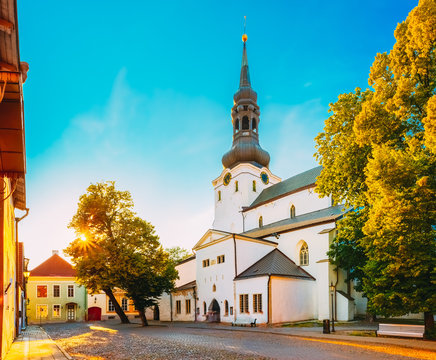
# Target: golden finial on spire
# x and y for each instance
(244, 36)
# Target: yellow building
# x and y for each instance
(12, 171)
(53, 293)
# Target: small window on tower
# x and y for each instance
(237, 124)
(219, 195)
(254, 185)
(260, 221)
(245, 123)
(292, 211)
(253, 124)
(236, 186)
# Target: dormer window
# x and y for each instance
(245, 123)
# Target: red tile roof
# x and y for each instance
(54, 266)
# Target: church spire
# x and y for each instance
(245, 74)
(245, 119)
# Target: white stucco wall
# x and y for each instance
(305, 201)
(227, 210)
(292, 299)
(186, 272)
(251, 286)
(182, 296)
(248, 252)
(220, 275)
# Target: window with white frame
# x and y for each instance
(243, 303)
(304, 255)
(56, 291)
(125, 304)
(70, 290)
(257, 303)
(110, 306)
(56, 311)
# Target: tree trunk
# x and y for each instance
(143, 318)
(429, 323)
(118, 309)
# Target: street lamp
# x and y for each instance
(332, 291)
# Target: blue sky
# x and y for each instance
(140, 92)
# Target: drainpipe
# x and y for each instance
(171, 307)
(195, 305)
(234, 283)
(336, 299)
(269, 318)
(17, 299)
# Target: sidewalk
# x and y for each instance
(340, 335)
(34, 343)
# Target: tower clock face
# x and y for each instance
(227, 178)
(265, 178)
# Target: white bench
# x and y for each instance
(401, 330)
(244, 323)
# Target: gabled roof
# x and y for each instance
(275, 263)
(214, 236)
(54, 266)
(189, 285)
(324, 215)
(287, 186)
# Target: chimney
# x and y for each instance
(55, 252)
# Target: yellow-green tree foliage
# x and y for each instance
(378, 153)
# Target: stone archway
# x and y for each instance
(213, 313)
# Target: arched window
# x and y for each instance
(226, 308)
(292, 211)
(237, 124)
(219, 195)
(236, 186)
(204, 308)
(253, 124)
(304, 254)
(214, 288)
(245, 123)
(254, 185)
(260, 221)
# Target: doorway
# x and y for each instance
(71, 312)
(156, 312)
(213, 313)
(94, 313)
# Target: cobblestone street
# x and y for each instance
(104, 340)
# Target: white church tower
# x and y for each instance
(246, 171)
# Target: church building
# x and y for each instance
(265, 258)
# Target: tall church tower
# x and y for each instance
(246, 171)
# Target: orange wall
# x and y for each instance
(8, 268)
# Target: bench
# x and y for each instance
(401, 330)
(244, 323)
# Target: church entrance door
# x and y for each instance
(213, 313)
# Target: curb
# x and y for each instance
(61, 349)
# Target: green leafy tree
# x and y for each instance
(178, 254)
(392, 130)
(116, 249)
(149, 272)
(102, 221)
